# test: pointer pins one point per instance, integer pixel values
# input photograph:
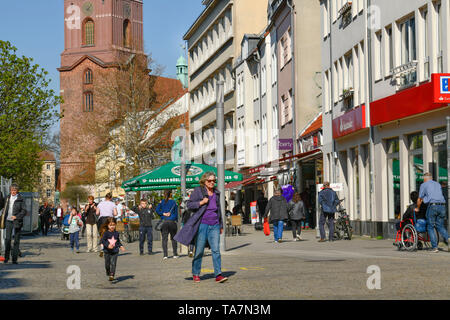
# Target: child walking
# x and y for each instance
(75, 225)
(111, 245)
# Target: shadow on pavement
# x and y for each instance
(14, 296)
(123, 278)
(25, 265)
(238, 247)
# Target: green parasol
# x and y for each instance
(168, 176)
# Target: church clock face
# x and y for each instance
(88, 8)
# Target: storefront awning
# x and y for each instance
(235, 184)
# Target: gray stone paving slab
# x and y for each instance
(257, 269)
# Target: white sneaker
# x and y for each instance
(435, 250)
(299, 238)
(176, 257)
(165, 258)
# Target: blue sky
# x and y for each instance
(36, 29)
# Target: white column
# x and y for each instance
(356, 77)
(420, 47)
(427, 143)
(350, 194)
(404, 172)
(433, 18)
(446, 35)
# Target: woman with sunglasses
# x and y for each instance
(204, 225)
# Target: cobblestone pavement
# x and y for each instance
(257, 269)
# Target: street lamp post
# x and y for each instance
(448, 173)
(220, 114)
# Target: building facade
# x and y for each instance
(47, 180)
(97, 34)
(384, 110)
(213, 46)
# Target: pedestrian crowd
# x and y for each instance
(201, 224)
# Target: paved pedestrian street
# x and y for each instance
(257, 269)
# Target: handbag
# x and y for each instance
(266, 227)
(3, 216)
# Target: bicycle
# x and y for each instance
(342, 227)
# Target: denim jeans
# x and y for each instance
(278, 229)
(329, 218)
(212, 234)
(9, 231)
(435, 219)
(145, 232)
(74, 239)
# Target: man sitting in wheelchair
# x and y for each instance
(414, 216)
(408, 216)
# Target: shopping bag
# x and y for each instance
(266, 227)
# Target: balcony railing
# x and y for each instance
(405, 76)
(345, 14)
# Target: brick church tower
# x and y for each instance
(97, 33)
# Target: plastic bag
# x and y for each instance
(266, 227)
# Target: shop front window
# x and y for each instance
(440, 173)
(393, 162)
(415, 143)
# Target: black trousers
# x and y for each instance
(44, 224)
(169, 227)
(9, 229)
(296, 227)
(110, 263)
(145, 232)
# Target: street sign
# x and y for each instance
(335, 186)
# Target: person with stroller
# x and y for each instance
(430, 193)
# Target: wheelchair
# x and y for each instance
(411, 238)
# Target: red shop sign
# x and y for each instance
(350, 122)
(441, 92)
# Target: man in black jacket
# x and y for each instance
(45, 215)
(12, 217)
(145, 226)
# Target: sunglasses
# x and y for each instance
(211, 180)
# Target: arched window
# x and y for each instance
(127, 34)
(88, 77)
(88, 30)
(88, 98)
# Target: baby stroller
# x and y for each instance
(65, 228)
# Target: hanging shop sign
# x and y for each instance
(350, 122)
(285, 144)
(441, 83)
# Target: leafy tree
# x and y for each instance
(27, 111)
(74, 193)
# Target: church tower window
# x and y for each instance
(88, 102)
(88, 30)
(88, 77)
(127, 34)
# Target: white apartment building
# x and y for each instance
(213, 48)
(395, 99)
